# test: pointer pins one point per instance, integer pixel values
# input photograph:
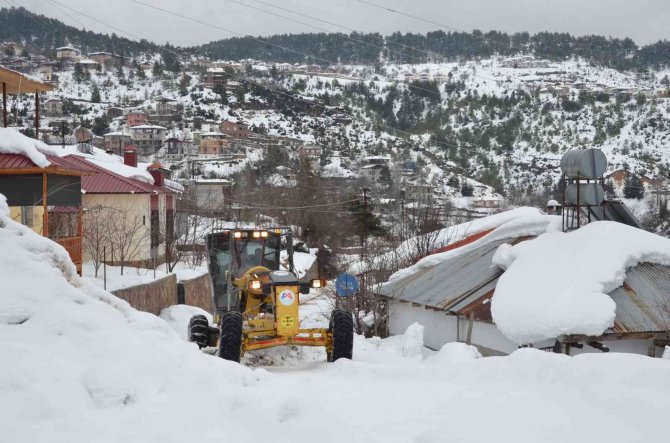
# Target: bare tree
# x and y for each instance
(128, 235)
(96, 234)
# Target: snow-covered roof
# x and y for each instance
(147, 127)
(582, 266)
(211, 181)
(13, 142)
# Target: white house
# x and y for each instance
(451, 293)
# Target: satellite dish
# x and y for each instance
(83, 135)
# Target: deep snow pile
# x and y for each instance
(79, 365)
(509, 224)
(13, 142)
(558, 283)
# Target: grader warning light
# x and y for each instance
(257, 303)
(318, 283)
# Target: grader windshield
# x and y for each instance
(231, 253)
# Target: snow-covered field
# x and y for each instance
(79, 365)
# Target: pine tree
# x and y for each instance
(78, 74)
(157, 70)
(633, 187)
(95, 94)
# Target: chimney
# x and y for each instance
(130, 156)
(156, 171)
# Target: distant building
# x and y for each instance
(116, 142)
(148, 138)
(213, 143)
(372, 173)
(166, 106)
(137, 118)
(105, 58)
(216, 77)
(234, 129)
(88, 64)
(114, 112)
(176, 149)
(420, 193)
(488, 202)
(210, 195)
(310, 150)
(53, 107)
(68, 54)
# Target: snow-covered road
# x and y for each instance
(79, 365)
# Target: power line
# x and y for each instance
(53, 4)
(320, 28)
(96, 20)
(425, 20)
(442, 25)
(337, 25)
(279, 91)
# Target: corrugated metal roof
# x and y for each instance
(643, 302)
(465, 282)
(452, 284)
(20, 161)
(15, 161)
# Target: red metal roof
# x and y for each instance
(20, 161)
(15, 161)
(103, 181)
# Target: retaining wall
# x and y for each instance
(151, 297)
(198, 292)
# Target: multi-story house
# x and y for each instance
(137, 118)
(116, 142)
(148, 138)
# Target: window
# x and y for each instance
(27, 215)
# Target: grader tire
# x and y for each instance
(198, 330)
(230, 341)
(342, 328)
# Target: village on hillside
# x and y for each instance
(335, 237)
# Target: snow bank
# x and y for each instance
(178, 317)
(558, 283)
(78, 360)
(13, 142)
(515, 223)
(454, 353)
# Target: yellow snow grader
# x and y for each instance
(257, 302)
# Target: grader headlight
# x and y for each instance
(255, 284)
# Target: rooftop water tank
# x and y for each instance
(585, 163)
(590, 194)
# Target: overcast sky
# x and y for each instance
(644, 21)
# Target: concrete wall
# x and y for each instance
(440, 328)
(151, 297)
(198, 292)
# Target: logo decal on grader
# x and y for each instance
(287, 321)
(287, 297)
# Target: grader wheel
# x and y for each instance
(198, 330)
(342, 329)
(230, 341)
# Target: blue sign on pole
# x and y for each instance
(346, 285)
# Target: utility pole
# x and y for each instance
(364, 228)
(62, 134)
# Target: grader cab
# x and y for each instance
(257, 302)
